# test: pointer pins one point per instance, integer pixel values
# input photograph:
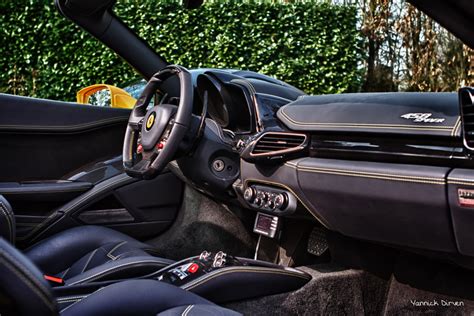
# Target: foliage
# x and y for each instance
(407, 50)
(436, 60)
(312, 45)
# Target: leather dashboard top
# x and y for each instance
(427, 114)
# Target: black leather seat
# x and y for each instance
(85, 253)
(23, 291)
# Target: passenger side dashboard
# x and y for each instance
(405, 184)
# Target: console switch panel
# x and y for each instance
(270, 200)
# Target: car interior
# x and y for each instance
(229, 192)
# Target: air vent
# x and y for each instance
(278, 143)
(466, 96)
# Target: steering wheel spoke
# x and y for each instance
(135, 122)
(140, 169)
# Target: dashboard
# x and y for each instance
(228, 104)
(243, 101)
(241, 106)
(336, 160)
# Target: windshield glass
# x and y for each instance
(135, 88)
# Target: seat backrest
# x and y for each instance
(23, 290)
(7, 221)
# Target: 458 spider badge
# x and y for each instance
(422, 118)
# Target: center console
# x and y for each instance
(216, 276)
(222, 278)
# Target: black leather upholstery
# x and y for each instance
(143, 297)
(89, 253)
(198, 310)
(7, 221)
(381, 113)
(86, 253)
(24, 292)
(381, 197)
(235, 283)
(460, 184)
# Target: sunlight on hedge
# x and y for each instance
(312, 45)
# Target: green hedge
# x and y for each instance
(314, 46)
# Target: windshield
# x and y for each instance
(135, 88)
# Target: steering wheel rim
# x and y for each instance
(154, 135)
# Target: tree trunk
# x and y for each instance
(370, 77)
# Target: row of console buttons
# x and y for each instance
(265, 199)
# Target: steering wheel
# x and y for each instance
(153, 137)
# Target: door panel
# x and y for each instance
(58, 153)
(35, 200)
(142, 209)
(45, 140)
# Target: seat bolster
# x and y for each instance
(126, 268)
(7, 221)
(134, 297)
(23, 290)
(62, 250)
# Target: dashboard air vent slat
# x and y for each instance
(467, 113)
(274, 143)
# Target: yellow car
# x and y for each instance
(105, 95)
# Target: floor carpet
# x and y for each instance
(203, 224)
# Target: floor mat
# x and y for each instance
(356, 292)
(203, 224)
(403, 299)
(420, 286)
(330, 292)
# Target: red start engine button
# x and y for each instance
(193, 268)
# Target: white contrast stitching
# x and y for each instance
(367, 174)
(367, 125)
(224, 271)
(61, 299)
(110, 255)
(81, 300)
(186, 311)
(10, 224)
(89, 260)
(113, 269)
(27, 280)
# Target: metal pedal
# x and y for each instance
(317, 242)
